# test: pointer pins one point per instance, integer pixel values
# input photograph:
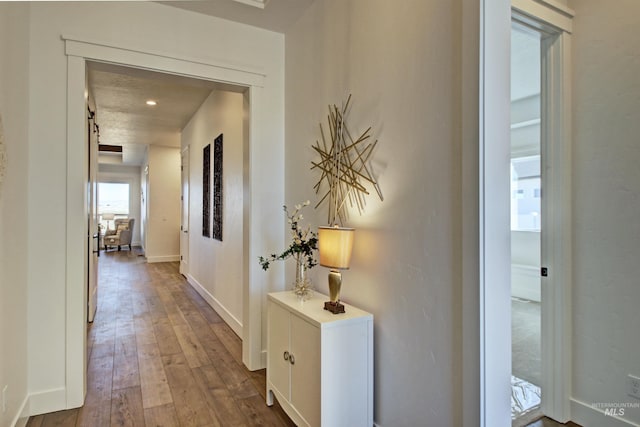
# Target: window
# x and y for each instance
(113, 202)
(525, 193)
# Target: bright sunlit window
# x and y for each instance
(525, 193)
(113, 202)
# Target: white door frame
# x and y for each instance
(494, 214)
(79, 51)
(554, 22)
(494, 242)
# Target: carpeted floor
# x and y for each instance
(525, 336)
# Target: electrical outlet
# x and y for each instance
(633, 386)
(4, 398)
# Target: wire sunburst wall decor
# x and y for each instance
(344, 166)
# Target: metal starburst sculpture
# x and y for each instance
(344, 166)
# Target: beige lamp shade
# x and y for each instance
(335, 245)
(108, 217)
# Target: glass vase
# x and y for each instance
(302, 287)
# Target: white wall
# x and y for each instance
(130, 175)
(14, 105)
(163, 198)
(401, 62)
(143, 26)
(215, 267)
(525, 265)
(606, 292)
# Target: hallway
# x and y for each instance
(160, 356)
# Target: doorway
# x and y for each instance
(526, 224)
(256, 181)
(554, 24)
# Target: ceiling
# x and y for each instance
(120, 92)
(120, 95)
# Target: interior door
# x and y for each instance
(184, 227)
(93, 232)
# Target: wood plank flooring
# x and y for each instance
(159, 355)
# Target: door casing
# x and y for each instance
(494, 244)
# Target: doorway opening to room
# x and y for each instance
(540, 262)
(526, 224)
(252, 85)
(147, 178)
(530, 175)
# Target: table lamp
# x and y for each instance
(335, 245)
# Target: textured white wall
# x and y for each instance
(400, 60)
(215, 265)
(606, 200)
(163, 220)
(14, 31)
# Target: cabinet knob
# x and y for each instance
(292, 359)
(286, 355)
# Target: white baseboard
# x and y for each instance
(589, 416)
(226, 315)
(22, 417)
(47, 401)
(164, 258)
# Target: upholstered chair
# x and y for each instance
(121, 236)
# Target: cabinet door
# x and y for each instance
(277, 343)
(305, 372)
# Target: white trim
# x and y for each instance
(558, 7)
(76, 240)
(586, 415)
(254, 295)
(556, 237)
(547, 11)
(219, 308)
(163, 258)
(22, 417)
(494, 212)
(47, 401)
(78, 51)
(181, 65)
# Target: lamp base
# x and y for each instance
(334, 307)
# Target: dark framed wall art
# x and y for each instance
(206, 191)
(217, 188)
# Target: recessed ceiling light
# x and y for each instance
(151, 102)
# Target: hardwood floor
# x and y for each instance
(160, 356)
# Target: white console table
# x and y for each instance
(320, 364)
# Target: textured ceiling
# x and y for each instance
(274, 15)
(120, 95)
